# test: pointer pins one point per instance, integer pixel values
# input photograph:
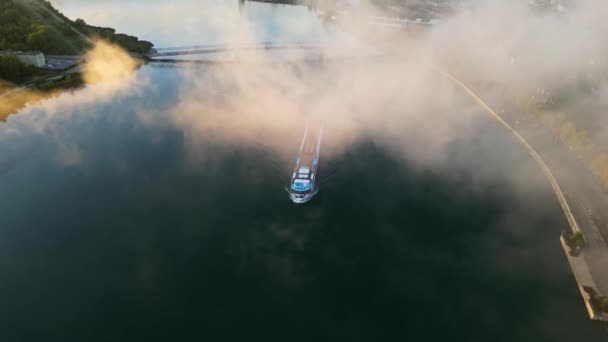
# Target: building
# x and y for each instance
(35, 58)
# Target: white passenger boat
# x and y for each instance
(304, 183)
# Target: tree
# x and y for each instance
(578, 239)
(41, 39)
(80, 22)
(603, 303)
(11, 69)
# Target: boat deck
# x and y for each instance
(304, 174)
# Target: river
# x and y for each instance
(131, 214)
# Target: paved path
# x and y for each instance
(556, 188)
(578, 191)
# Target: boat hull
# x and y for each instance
(304, 198)
(303, 185)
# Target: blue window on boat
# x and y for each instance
(301, 185)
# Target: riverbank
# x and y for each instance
(15, 98)
(37, 25)
(325, 260)
(578, 188)
(56, 82)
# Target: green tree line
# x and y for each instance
(11, 69)
(31, 27)
(21, 30)
(129, 43)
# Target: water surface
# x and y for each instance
(117, 224)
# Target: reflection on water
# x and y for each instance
(189, 22)
(119, 222)
(114, 228)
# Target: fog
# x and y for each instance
(108, 216)
(396, 99)
(190, 22)
(399, 100)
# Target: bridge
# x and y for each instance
(412, 26)
(222, 48)
(295, 52)
(305, 51)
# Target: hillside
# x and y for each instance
(37, 25)
(26, 26)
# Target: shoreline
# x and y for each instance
(587, 261)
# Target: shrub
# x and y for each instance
(603, 303)
(578, 239)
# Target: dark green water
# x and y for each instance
(136, 241)
(117, 227)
